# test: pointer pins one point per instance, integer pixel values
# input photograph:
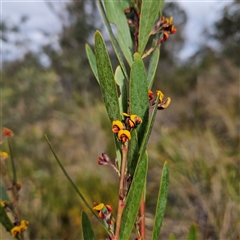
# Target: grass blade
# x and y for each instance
(192, 235)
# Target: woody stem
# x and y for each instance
(142, 218)
(121, 187)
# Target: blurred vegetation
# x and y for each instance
(198, 135)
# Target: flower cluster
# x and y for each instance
(20, 228)
(123, 129)
(162, 103)
(14, 187)
(165, 26)
(105, 213)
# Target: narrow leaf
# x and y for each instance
(162, 202)
(87, 231)
(139, 103)
(116, 15)
(92, 61)
(192, 235)
(73, 184)
(147, 133)
(69, 178)
(122, 84)
(149, 128)
(113, 39)
(149, 11)
(4, 219)
(14, 180)
(3, 193)
(153, 67)
(106, 79)
(134, 198)
(133, 152)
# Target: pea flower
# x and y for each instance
(124, 135)
(117, 126)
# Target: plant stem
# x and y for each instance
(121, 204)
(142, 218)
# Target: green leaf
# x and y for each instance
(148, 132)
(106, 78)
(113, 39)
(122, 84)
(69, 178)
(14, 180)
(87, 231)
(92, 61)
(134, 198)
(133, 152)
(125, 4)
(3, 193)
(4, 219)
(192, 235)
(149, 128)
(162, 202)
(149, 13)
(116, 15)
(138, 89)
(153, 67)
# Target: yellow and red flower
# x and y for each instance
(124, 135)
(163, 103)
(117, 126)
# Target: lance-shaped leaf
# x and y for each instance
(92, 61)
(106, 79)
(138, 90)
(122, 84)
(162, 202)
(87, 231)
(153, 66)
(149, 14)
(147, 134)
(192, 235)
(116, 15)
(149, 128)
(3, 193)
(133, 152)
(113, 39)
(4, 219)
(69, 178)
(134, 198)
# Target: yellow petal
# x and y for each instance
(160, 94)
(99, 207)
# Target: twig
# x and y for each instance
(121, 187)
(142, 219)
